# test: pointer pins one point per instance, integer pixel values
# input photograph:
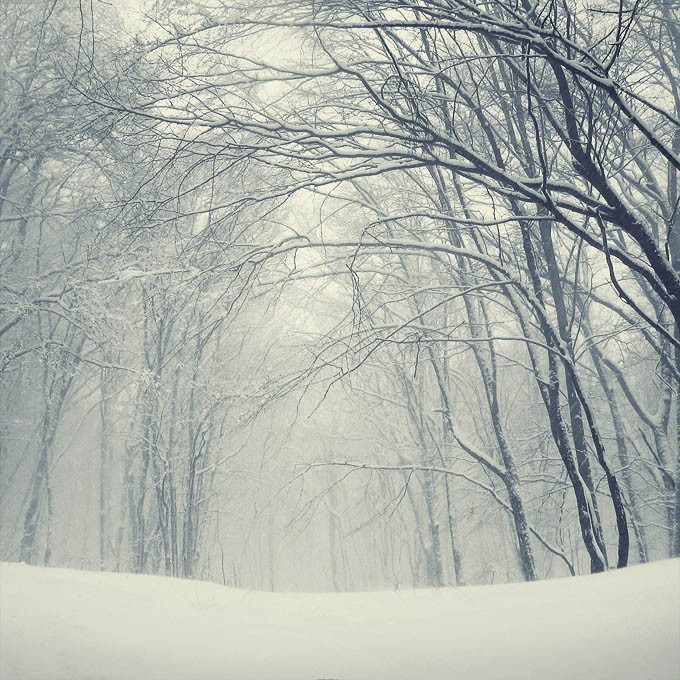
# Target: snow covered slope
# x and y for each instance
(71, 625)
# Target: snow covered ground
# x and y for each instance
(72, 625)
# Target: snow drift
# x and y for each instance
(65, 624)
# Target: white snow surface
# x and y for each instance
(60, 623)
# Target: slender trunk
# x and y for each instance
(488, 374)
(453, 536)
(575, 411)
(105, 456)
(622, 448)
(434, 561)
(55, 390)
(550, 392)
(674, 250)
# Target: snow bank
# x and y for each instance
(71, 625)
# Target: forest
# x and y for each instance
(340, 294)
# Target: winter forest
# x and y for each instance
(340, 295)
